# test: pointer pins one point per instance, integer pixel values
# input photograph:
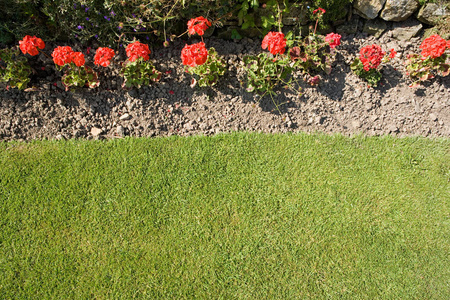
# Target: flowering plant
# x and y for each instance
(76, 73)
(367, 64)
(206, 66)
(14, 68)
(315, 52)
(138, 70)
(266, 72)
(432, 60)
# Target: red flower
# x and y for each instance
(433, 46)
(78, 58)
(62, 55)
(194, 55)
(333, 39)
(29, 44)
(136, 50)
(393, 53)
(198, 25)
(321, 11)
(371, 56)
(275, 41)
(103, 56)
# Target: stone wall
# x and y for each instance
(373, 17)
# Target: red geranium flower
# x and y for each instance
(275, 41)
(393, 53)
(333, 39)
(319, 10)
(198, 25)
(433, 46)
(78, 58)
(448, 44)
(194, 55)
(103, 56)
(136, 50)
(371, 56)
(62, 55)
(29, 44)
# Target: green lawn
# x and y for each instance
(236, 216)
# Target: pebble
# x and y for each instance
(120, 131)
(433, 117)
(95, 131)
(125, 117)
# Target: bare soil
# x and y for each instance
(341, 103)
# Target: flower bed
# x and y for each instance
(276, 74)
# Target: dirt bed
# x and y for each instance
(341, 103)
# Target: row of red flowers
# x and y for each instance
(196, 54)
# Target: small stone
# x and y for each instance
(95, 131)
(125, 117)
(356, 124)
(433, 117)
(59, 137)
(393, 129)
(120, 131)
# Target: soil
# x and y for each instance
(341, 103)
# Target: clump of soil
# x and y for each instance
(341, 103)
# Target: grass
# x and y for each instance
(237, 216)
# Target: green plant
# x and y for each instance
(207, 74)
(314, 52)
(14, 68)
(267, 72)
(139, 73)
(267, 14)
(20, 18)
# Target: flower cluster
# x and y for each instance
(198, 25)
(433, 46)
(371, 56)
(136, 50)
(29, 44)
(103, 56)
(65, 55)
(275, 42)
(333, 39)
(194, 55)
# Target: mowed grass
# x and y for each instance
(236, 216)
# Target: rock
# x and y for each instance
(59, 137)
(349, 28)
(368, 9)
(432, 13)
(405, 32)
(375, 27)
(398, 10)
(125, 117)
(356, 124)
(120, 131)
(433, 117)
(95, 131)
